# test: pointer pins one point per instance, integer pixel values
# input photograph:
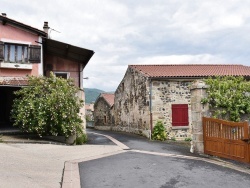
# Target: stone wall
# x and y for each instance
(131, 108)
(101, 111)
(164, 94)
(81, 96)
(198, 91)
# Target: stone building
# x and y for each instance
(103, 111)
(149, 93)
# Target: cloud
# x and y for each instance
(182, 59)
(142, 32)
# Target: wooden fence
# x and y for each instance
(226, 139)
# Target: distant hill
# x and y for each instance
(91, 94)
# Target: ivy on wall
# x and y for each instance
(228, 96)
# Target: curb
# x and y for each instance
(71, 174)
(30, 142)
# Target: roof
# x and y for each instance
(89, 107)
(192, 70)
(67, 51)
(5, 20)
(13, 81)
(109, 97)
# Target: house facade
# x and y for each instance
(149, 93)
(103, 111)
(25, 50)
(20, 55)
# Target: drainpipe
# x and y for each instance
(150, 107)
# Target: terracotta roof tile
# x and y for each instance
(13, 81)
(109, 97)
(89, 107)
(192, 70)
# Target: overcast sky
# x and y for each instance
(123, 32)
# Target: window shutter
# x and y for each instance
(1, 51)
(35, 54)
(180, 115)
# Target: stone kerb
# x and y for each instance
(198, 110)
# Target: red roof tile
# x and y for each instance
(14, 81)
(109, 97)
(192, 70)
(89, 107)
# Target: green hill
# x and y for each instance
(91, 94)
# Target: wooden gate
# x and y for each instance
(226, 139)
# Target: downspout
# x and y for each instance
(79, 77)
(150, 107)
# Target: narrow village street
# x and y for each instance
(156, 165)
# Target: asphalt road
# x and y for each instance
(141, 143)
(134, 169)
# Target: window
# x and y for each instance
(123, 86)
(105, 119)
(64, 75)
(19, 53)
(180, 115)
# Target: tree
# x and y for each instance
(48, 106)
(229, 96)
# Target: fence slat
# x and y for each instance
(225, 139)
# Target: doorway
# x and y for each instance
(6, 101)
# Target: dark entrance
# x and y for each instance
(6, 100)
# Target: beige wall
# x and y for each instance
(131, 108)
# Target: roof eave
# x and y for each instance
(21, 25)
(64, 50)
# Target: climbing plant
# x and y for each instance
(228, 97)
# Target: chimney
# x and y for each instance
(46, 27)
(4, 14)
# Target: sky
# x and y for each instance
(127, 32)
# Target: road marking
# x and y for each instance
(71, 175)
(118, 143)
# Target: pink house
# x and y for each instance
(25, 50)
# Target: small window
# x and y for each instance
(180, 115)
(105, 119)
(123, 86)
(62, 75)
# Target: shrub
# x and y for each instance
(173, 138)
(81, 139)
(159, 132)
(188, 139)
(48, 106)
